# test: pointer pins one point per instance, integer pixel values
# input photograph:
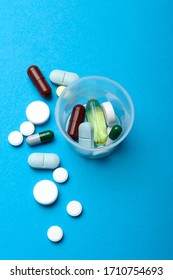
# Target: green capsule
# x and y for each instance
(42, 137)
(115, 132)
(95, 116)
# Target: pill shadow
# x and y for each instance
(51, 206)
(47, 98)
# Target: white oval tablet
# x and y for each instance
(37, 112)
(60, 175)
(74, 208)
(55, 233)
(43, 160)
(45, 192)
(15, 138)
(61, 77)
(27, 128)
(109, 113)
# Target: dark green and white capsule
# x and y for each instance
(114, 134)
(40, 138)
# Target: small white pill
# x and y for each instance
(15, 138)
(74, 208)
(60, 89)
(109, 113)
(45, 192)
(27, 128)
(60, 175)
(43, 160)
(55, 233)
(60, 77)
(37, 112)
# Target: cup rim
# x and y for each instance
(113, 144)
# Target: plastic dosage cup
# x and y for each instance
(103, 89)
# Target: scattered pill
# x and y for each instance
(45, 192)
(114, 134)
(109, 113)
(95, 116)
(27, 128)
(15, 138)
(43, 160)
(39, 80)
(60, 89)
(86, 135)
(41, 137)
(74, 208)
(76, 119)
(60, 77)
(55, 233)
(37, 112)
(60, 175)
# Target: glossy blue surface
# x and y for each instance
(127, 197)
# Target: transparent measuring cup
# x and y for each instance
(103, 89)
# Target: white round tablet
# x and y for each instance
(45, 192)
(109, 113)
(55, 233)
(37, 112)
(60, 89)
(27, 128)
(74, 208)
(60, 175)
(15, 138)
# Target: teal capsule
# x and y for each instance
(42, 137)
(114, 133)
(95, 116)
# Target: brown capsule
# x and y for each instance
(39, 80)
(76, 119)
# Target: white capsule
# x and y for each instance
(43, 160)
(86, 135)
(60, 77)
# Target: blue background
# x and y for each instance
(127, 197)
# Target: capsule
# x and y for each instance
(76, 119)
(39, 138)
(95, 116)
(114, 134)
(86, 135)
(60, 77)
(43, 160)
(39, 81)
